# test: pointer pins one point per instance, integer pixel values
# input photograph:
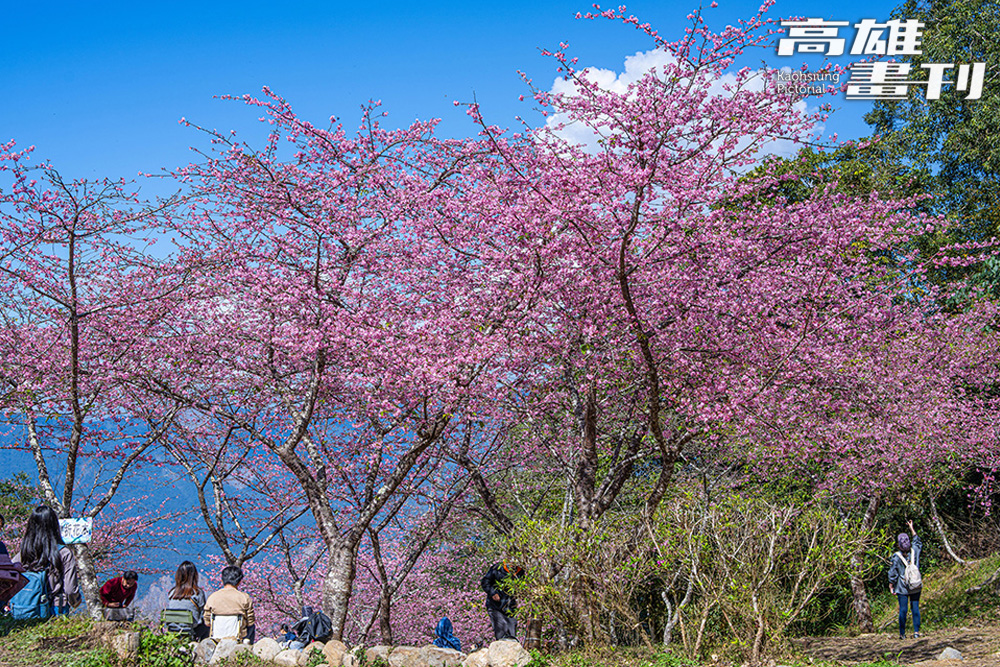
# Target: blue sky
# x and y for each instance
(99, 87)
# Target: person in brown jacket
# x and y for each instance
(230, 601)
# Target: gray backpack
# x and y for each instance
(911, 574)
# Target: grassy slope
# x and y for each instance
(64, 641)
(946, 601)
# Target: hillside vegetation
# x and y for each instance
(960, 607)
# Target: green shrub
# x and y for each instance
(164, 650)
(245, 659)
(538, 659)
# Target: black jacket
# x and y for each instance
(490, 584)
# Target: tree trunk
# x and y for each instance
(939, 527)
(337, 587)
(86, 575)
(859, 602)
(384, 615)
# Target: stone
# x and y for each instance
(266, 649)
(223, 650)
(106, 630)
(508, 653)
(348, 660)
(480, 658)
(334, 652)
(203, 653)
(313, 647)
(405, 656)
(287, 658)
(230, 651)
(950, 654)
(377, 653)
(126, 645)
(434, 656)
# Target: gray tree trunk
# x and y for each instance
(87, 577)
(859, 597)
(337, 586)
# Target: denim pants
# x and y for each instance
(912, 600)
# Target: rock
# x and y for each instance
(314, 647)
(377, 652)
(433, 656)
(233, 652)
(223, 650)
(950, 654)
(203, 653)
(334, 652)
(287, 658)
(508, 653)
(480, 658)
(405, 656)
(126, 645)
(266, 649)
(106, 630)
(350, 659)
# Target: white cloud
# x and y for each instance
(635, 68)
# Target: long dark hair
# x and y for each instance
(185, 581)
(42, 539)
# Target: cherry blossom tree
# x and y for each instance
(686, 308)
(331, 322)
(80, 289)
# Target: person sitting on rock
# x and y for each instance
(445, 638)
(230, 601)
(186, 595)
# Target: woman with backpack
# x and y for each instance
(186, 595)
(904, 579)
(50, 568)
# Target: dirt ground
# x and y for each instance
(980, 647)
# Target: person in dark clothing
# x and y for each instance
(500, 604)
(908, 549)
(3, 547)
(11, 579)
